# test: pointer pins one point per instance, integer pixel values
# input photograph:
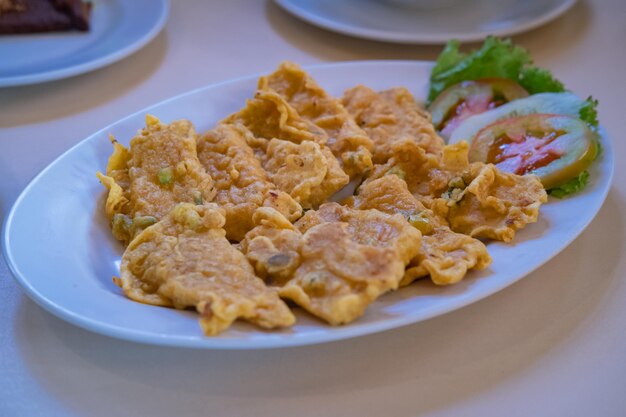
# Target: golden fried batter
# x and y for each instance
(241, 182)
(347, 141)
(340, 275)
(116, 179)
(496, 204)
(117, 183)
(185, 261)
(307, 171)
(419, 212)
(444, 255)
(366, 227)
(337, 262)
(426, 175)
(389, 117)
(160, 170)
(291, 149)
(269, 116)
(475, 199)
(273, 247)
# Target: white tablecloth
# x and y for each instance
(554, 344)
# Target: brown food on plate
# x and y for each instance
(291, 149)
(495, 204)
(444, 255)
(390, 117)
(160, 170)
(335, 261)
(475, 199)
(347, 141)
(185, 261)
(426, 175)
(241, 183)
(33, 16)
(273, 247)
(269, 116)
(264, 177)
(307, 171)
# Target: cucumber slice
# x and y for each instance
(554, 147)
(567, 104)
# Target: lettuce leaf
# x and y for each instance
(589, 113)
(496, 58)
(570, 187)
(539, 80)
(499, 58)
(449, 57)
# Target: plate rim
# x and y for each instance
(151, 338)
(97, 63)
(403, 38)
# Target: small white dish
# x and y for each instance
(118, 28)
(57, 242)
(391, 21)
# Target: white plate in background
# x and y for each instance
(57, 242)
(465, 20)
(117, 29)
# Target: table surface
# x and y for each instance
(553, 344)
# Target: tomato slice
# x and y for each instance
(554, 147)
(460, 101)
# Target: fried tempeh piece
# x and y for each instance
(185, 260)
(496, 204)
(160, 170)
(389, 117)
(241, 182)
(116, 180)
(273, 247)
(269, 116)
(307, 171)
(338, 260)
(291, 149)
(367, 227)
(475, 199)
(426, 175)
(444, 255)
(347, 141)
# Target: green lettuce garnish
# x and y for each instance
(539, 80)
(500, 58)
(570, 187)
(496, 58)
(588, 113)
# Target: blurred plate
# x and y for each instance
(465, 20)
(118, 28)
(58, 244)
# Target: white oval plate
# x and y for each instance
(465, 20)
(118, 28)
(58, 245)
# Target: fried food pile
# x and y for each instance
(234, 221)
